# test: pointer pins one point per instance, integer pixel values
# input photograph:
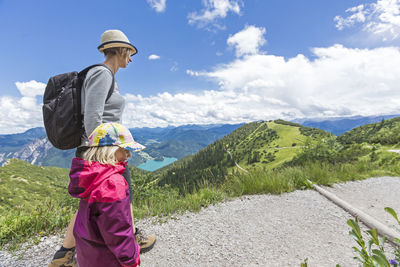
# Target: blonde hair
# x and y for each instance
(102, 154)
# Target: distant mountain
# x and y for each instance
(171, 142)
(13, 142)
(341, 125)
(30, 146)
(176, 142)
(185, 140)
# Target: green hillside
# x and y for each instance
(254, 145)
(24, 186)
(273, 143)
(386, 132)
(276, 145)
(34, 200)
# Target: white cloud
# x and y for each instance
(379, 19)
(158, 5)
(31, 88)
(154, 57)
(248, 41)
(20, 114)
(357, 16)
(214, 10)
(337, 81)
(340, 81)
(192, 73)
(166, 109)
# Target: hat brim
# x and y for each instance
(132, 146)
(117, 44)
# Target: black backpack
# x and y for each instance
(62, 108)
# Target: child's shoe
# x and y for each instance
(145, 242)
(64, 258)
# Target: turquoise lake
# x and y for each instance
(152, 165)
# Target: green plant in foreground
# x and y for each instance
(372, 253)
(304, 263)
(396, 261)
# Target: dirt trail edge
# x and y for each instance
(260, 230)
(383, 230)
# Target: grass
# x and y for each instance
(17, 226)
(166, 201)
(291, 178)
(34, 202)
(23, 185)
(282, 155)
(287, 134)
(282, 147)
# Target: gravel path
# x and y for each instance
(372, 196)
(261, 230)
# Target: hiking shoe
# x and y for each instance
(145, 242)
(64, 258)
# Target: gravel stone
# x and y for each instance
(258, 230)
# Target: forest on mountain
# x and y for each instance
(261, 144)
(386, 132)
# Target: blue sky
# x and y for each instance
(209, 61)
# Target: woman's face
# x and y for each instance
(122, 155)
(124, 60)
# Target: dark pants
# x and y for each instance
(127, 174)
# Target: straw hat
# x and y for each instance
(115, 38)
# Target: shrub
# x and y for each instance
(371, 253)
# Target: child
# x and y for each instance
(104, 228)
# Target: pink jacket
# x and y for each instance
(103, 228)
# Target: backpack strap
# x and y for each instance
(85, 71)
(82, 75)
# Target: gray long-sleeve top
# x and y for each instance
(95, 109)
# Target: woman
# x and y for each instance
(97, 108)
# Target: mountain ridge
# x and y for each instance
(172, 142)
(177, 142)
(340, 125)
